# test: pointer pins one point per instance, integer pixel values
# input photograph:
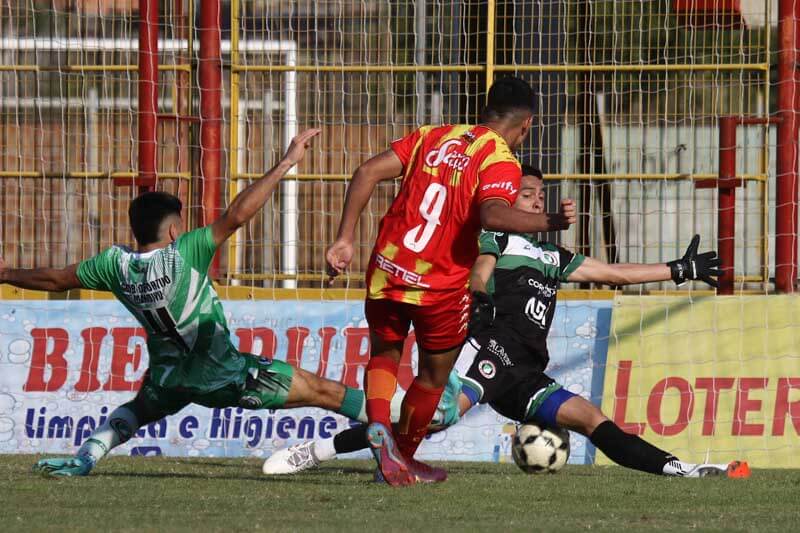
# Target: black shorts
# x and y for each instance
(506, 376)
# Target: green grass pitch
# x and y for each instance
(171, 494)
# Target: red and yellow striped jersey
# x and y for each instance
(428, 240)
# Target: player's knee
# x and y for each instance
(581, 415)
(594, 419)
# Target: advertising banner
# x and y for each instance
(708, 379)
(65, 365)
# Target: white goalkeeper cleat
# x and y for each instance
(734, 469)
(291, 460)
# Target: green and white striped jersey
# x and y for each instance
(170, 294)
(525, 285)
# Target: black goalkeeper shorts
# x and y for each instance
(506, 376)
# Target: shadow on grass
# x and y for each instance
(325, 477)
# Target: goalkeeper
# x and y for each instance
(164, 283)
(507, 352)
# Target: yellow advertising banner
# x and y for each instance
(708, 379)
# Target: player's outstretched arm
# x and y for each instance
(383, 166)
(496, 215)
(250, 201)
(43, 279)
(691, 266)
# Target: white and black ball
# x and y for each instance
(538, 450)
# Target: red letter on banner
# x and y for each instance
(684, 410)
(297, 337)
(621, 400)
(92, 340)
(121, 358)
(712, 387)
(356, 354)
(247, 338)
(744, 405)
(41, 358)
(326, 335)
(783, 406)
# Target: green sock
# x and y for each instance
(353, 403)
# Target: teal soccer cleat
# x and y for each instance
(64, 466)
(447, 412)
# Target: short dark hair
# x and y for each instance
(148, 210)
(508, 96)
(528, 170)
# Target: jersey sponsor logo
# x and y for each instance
(536, 311)
(498, 350)
(487, 369)
(544, 290)
(146, 292)
(412, 278)
(501, 186)
(452, 159)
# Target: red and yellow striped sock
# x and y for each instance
(380, 384)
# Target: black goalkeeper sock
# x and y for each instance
(351, 440)
(629, 450)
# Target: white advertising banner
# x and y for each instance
(65, 365)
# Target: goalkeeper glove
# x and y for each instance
(481, 313)
(704, 266)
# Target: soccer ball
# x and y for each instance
(539, 450)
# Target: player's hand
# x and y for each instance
(692, 265)
(569, 210)
(338, 257)
(299, 145)
(481, 313)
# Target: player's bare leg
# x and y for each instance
(273, 384)
(310, 390)
(578, 414)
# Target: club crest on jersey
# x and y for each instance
(487, 369)
(550, 258)
(442, 156)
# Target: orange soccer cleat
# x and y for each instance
(738, 469)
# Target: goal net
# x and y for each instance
(629, 100)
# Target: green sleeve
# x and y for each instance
(490, 243)
(569, 262)
(197, 248)
(99, 271)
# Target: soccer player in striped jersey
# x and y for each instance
(455, 180)
(164, 283)
(515, 283)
